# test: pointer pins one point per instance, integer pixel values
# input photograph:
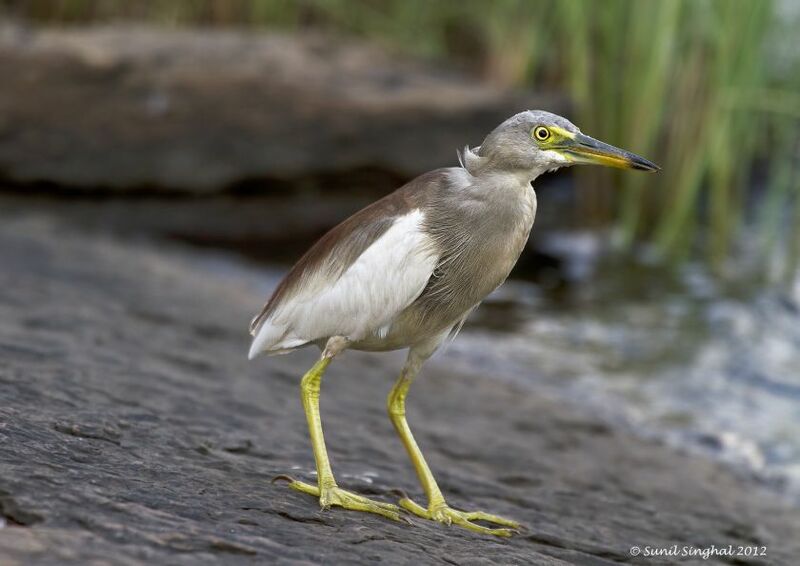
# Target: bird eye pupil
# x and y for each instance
(542, 133)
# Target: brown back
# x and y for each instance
(339, 248)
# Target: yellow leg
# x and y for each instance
(437, 509)
(326, 489)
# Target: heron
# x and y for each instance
(406, 271)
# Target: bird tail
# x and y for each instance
(272, 339)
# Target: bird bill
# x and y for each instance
(580, 148)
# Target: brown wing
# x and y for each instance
(343, 244)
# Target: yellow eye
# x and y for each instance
(541, 133)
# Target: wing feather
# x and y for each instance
(357, 300)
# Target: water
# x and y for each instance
(710, 370)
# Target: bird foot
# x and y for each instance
(443, 513)
(334, 495)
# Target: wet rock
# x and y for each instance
(136, 107)
(11, 514)
(133, 430)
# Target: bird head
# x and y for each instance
(537, 141)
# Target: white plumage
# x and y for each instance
(364, 300)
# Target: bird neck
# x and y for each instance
(482, 166)
(507, 177)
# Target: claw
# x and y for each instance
(334, 495)
(282, 477)
(481, 516)
(448, 516)
(399, 493)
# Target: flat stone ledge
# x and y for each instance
(133, 430)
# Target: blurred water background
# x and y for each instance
(668, 302)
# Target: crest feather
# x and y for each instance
(470, 160)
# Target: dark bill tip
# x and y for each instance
(641, 164)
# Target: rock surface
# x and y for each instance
(133, 430)
(132, 107)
